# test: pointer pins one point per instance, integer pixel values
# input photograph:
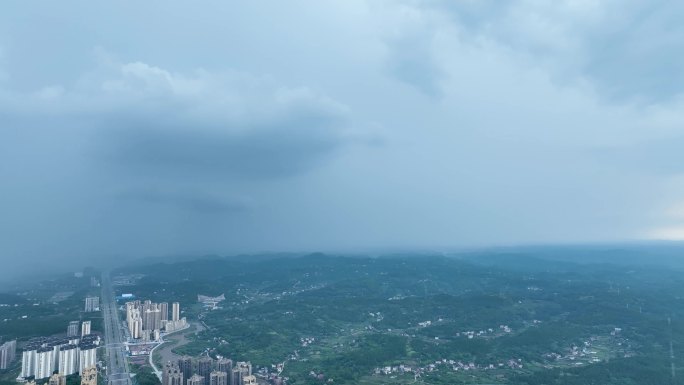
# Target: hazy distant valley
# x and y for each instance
(511, 317)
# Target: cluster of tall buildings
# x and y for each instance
(8, 351)
(207, 371)
(147, 319)
(66, 355)
(73, 329)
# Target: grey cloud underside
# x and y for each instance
(631, 50)
(278, 149)
(645, 58)
(411, 61)
(134, 152)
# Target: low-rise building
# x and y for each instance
(89, 376)
(57, 379)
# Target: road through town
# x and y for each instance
(117, 366)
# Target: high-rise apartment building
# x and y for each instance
(185, 366)
(166, 370)
(224, 365)
(85, 328)
(28, 359)
(72, 330)
(137, 328)
(45, 362)
(218, 378)
(175, 311)
(172, 375)
(204, 368)
(164, 308)
(175, 378)
(152, 318)
(8, 351)
(92, 304)
(236, 377)
(68, 359)
(87, 356)
(245, 367)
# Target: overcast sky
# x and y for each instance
(141, 128)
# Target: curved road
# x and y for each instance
(117, 366)
(155, 369)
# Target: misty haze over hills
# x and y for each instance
(669, 255)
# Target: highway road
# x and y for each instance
(117, 366)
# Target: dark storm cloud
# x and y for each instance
(275, 149)
(140, 119)
(132, 149)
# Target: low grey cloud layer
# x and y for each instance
(137, 129)
(627, 49)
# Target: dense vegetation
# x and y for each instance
(144, 375)
(540, 320)
(35, 311)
